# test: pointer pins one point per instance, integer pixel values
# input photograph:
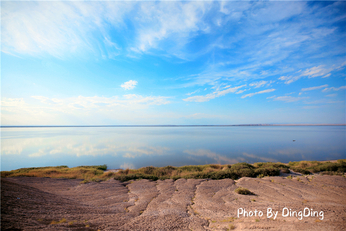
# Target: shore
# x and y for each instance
(32, 203)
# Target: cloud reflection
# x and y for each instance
(254, 157)
(37, 147)
(217, 157)
(127, 166)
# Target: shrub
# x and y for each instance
(301, 170)
(243, 191)
(242, 166)
(102, 167)
(191, 168)
(267, 171)
(135, 177)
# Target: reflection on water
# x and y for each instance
(135, 147)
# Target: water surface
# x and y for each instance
(135, 147)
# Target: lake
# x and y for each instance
(135, 147)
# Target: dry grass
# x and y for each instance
(88, 173)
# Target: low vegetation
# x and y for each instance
(81, 172)
(210, 171)
(308, 167)
(243, 191)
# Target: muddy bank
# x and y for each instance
(193, 204)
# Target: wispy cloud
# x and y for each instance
(89, 110)
(83, 102)
(318, 71)
(314, 88)
(191, 93)
(256, 93)
(258, 84)
(289, 99)
(166, 20)
(215, 94)
(324, 101)
(313, 72)
(60, 29)
(334, 89)
(129, 85)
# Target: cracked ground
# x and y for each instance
(193, 204)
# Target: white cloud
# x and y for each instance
(331, 95)
(60, 28)
(256, 93)
(311, 107)
(169, 20)
(12, 102)
(64, 28)
(290, 79)
(334, 89)
(313, 72)
(215, 94)
(88, 110)
(129, 85)
(271, 97)
(289, 99)
(191, 93)
(317, 71)
(258, 84)
(240, 91)
(314, 88)
(323, 101)
(82, 102)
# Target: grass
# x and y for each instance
(243, 191)
(308, 167)
(88, 173)
(209, 171)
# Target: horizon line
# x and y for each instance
(169, 125)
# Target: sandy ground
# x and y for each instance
(33, 203)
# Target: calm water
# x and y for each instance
(135, 147)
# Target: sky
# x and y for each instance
(172, 62)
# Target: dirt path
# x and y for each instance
(38, 203)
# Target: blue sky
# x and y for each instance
(176, 62)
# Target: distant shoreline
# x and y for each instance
(234, 125)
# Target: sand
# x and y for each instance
(35, 203)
